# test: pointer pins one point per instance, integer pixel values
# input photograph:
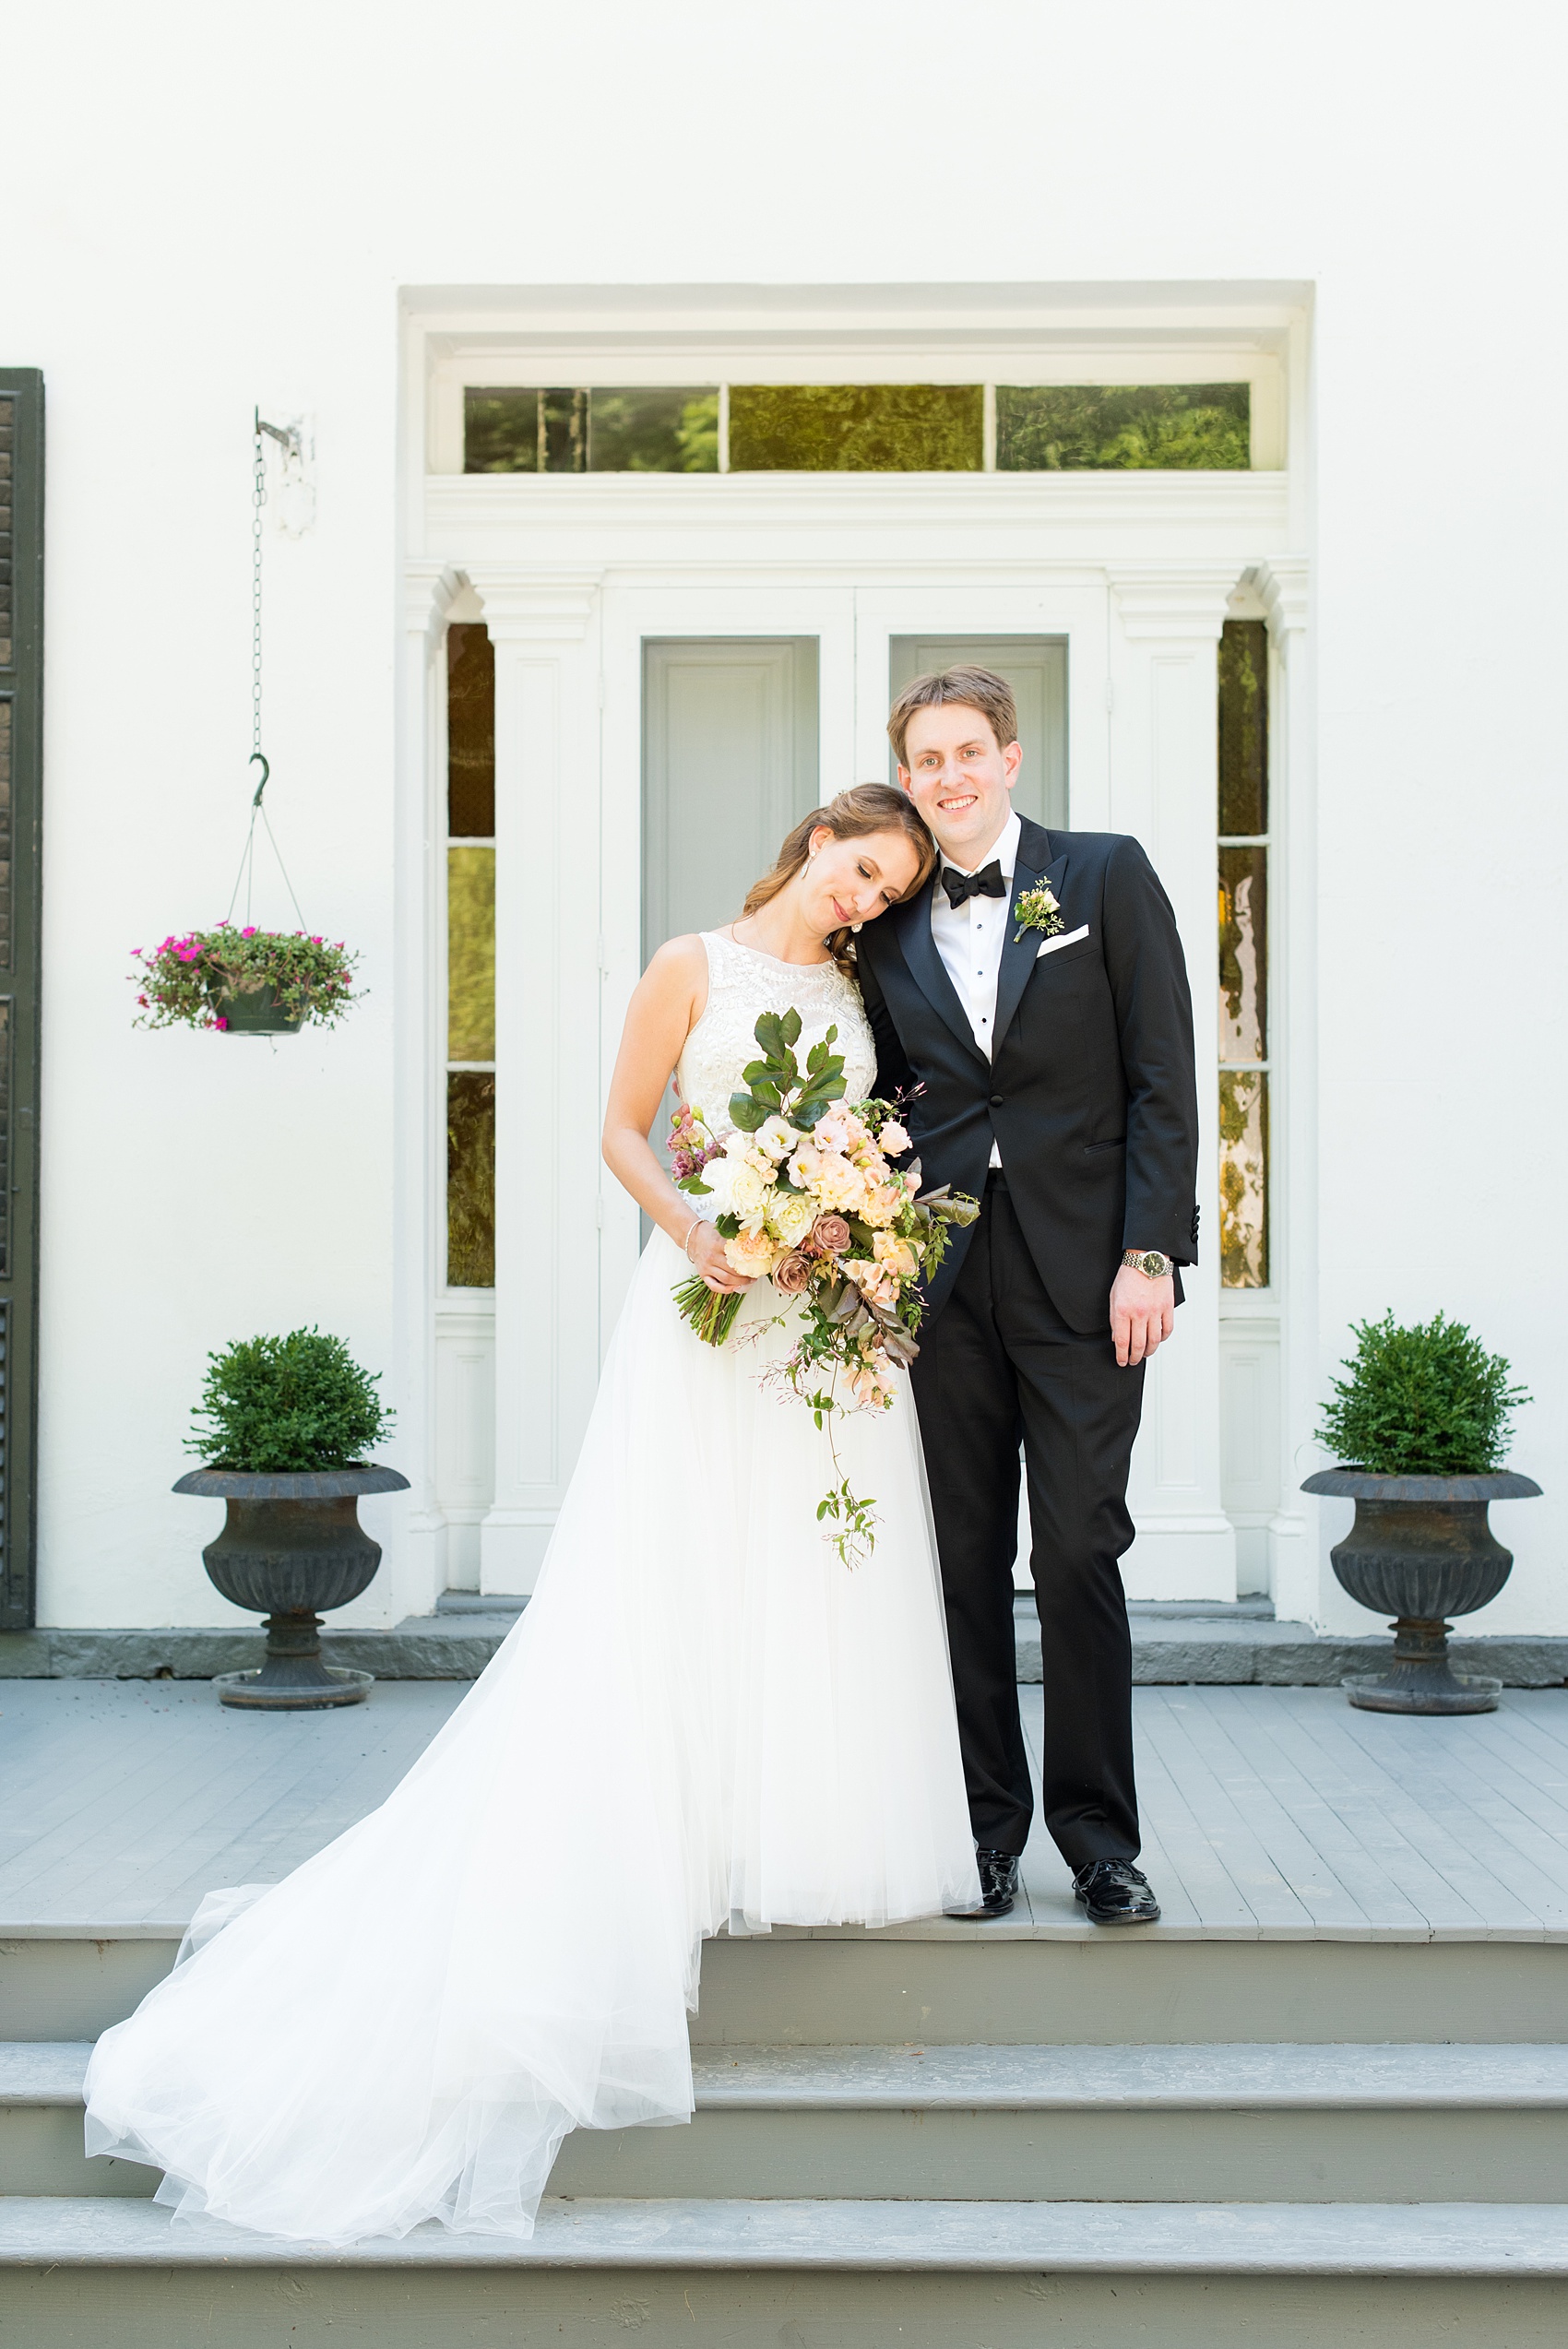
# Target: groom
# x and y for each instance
(1035, 993)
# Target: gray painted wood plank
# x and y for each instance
(1182, 1720)
(1443, 1832)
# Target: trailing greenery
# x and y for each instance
(183, 982)
(278, 1404)
(1427, 1400)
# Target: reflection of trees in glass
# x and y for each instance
(1243, 728)
(1050, 428)
(470, 1179)
(656, 428)
(857, 428)
(471, 954)
(1243, 972)
(470, 731)
(653, 429)
(1243, 1179)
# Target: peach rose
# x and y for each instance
(831, 1234)
(752, 1254)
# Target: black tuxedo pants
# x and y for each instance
(997, 1364)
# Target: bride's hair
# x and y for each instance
(853, 816)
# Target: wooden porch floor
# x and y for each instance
(1269, 1813)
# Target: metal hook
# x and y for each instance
(288, 437)
(266, 773)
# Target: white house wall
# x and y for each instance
(206, 210)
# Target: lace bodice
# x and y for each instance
(744, 983)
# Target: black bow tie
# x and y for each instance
(986, 882)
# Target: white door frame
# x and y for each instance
(1135, 570)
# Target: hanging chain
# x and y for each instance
(258, 499)
(246, 874)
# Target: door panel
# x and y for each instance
(1036, 668)
(729, 764)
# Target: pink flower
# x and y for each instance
(893, 1139)
(250, 933)
(831, 1234)
(793, 1274)
(219, 1022)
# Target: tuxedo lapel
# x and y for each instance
(912, 929)
(1035, 863)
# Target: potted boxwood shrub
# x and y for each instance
(283, 1425)
(244, 982)
(1423, 1420)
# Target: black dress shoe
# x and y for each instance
(1113, 1891)
(999, 1885)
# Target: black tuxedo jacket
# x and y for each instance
(1091, 1092)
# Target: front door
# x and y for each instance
(730, 765)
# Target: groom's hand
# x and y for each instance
(1143, 1314)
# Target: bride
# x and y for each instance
(702, 1720)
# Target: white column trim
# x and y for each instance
(430, 589)
(1297, 1560)
(544, 629)
(1166, 622)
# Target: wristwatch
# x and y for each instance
(1149, 1261)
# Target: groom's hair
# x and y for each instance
(979, 689)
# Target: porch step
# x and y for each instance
(943, 1984)
(747, 2274)
(1234, 2123)
(1189, 1642)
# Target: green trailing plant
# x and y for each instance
(272, 1404)
(184, 982)
(1426, 1401)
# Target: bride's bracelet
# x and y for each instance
(686, 1244)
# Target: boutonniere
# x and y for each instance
(1037, 909)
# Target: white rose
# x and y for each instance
(789, 1217)
(747, 1189)
(776, 1137)
(717, 1174)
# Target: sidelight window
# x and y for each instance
(1244, 955)
(471, 957)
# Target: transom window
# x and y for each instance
(859, 428)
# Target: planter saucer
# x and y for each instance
(339, 1686)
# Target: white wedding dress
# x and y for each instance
(702, 1720)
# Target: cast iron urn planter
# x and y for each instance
(1421, 1550)
(292, 1544)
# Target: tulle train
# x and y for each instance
(702, 1719)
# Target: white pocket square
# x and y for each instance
(1069, 938)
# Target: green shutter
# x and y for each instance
(21, 777)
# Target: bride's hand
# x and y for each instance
(706, 1249)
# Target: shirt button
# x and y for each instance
(996, 1100)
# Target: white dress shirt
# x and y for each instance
(969, 939)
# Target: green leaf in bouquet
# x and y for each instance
(816, 1060)
(789, 1028)
(769, 1033)
(695, 1186)
(782, 1182)
(862, 1234)
(747, 1111)
(727, 1226)
(756, 1073)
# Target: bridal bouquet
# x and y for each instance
(808, 1197)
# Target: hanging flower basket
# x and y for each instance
(244, 982)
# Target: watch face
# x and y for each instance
(1152, 1267)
